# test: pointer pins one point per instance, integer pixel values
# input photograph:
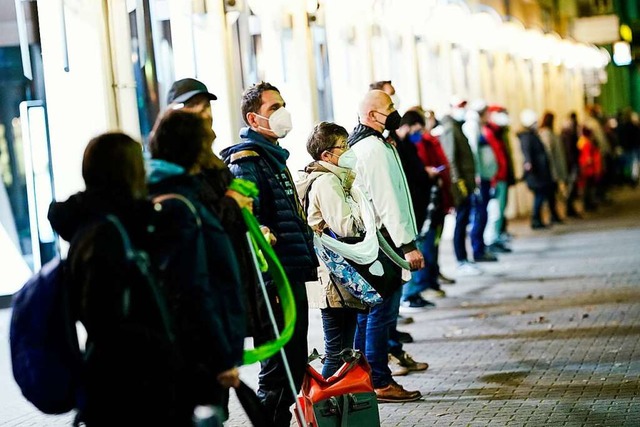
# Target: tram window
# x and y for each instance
(323, 78)
(144, 64)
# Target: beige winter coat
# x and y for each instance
(324, 192)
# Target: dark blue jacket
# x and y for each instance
(200, 272)
(258, 160)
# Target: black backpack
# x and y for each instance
(48, 364)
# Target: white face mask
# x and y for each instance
(459, 114)
(279, 122)
(348, 159)
(500, 119)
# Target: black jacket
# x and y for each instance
(132, 369)
(214, 183)
(539, 177)
(277, 206)
(417, 177)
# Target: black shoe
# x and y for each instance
(499, 248)
(445, 280)
(557, 220)
(415, 303)
(405, 337)
(537, 225)
(486, 257)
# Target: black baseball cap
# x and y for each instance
(185, 89)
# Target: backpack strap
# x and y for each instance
(163, 197)
(126, 242)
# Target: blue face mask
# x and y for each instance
(415, 137)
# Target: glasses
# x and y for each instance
(342, 147)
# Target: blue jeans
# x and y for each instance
(463, 210)
(480, 203)
(372, 337)
(339, 326)
(427, 277)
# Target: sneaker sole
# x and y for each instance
(414, 309)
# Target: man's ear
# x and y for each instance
(251, 119)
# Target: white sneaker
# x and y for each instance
(432, 293)
(466, 269)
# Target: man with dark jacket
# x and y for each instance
(260, 159)
(463, 182)
(536, 165)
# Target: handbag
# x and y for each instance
(345, 399)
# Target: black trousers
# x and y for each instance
(273, 385)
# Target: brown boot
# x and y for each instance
(394, 392)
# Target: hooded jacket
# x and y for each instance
(199, 271)
(142, 368)
(277, 206)
(379, 172)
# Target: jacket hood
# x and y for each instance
(158, 170)
(361, 132)
(69, 216)
(252, 140)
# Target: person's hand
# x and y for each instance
(242, 201)
(415, 259)
(229, 378)
(431, 171)
(527, 166)
(269, 237)
(462, 187)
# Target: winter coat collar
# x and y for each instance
(274, 153)
(361, 132)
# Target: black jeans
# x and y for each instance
(463, 211)
(273, 385)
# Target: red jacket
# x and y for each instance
(431, 153)
(493, 135)
(589, 159)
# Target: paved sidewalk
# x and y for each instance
(550, 335)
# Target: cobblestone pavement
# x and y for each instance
(547, 336)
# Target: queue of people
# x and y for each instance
(387, 186)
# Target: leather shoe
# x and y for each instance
(407, 361)
(394, 392)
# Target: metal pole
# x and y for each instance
(24, 40)
(285, 361)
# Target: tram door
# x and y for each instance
(26, 183)
(321, 58)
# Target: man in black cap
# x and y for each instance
(191, 94)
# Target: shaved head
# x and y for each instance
(374, 100)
